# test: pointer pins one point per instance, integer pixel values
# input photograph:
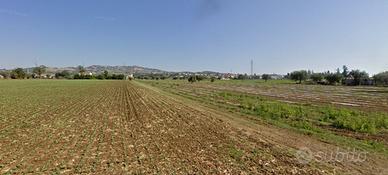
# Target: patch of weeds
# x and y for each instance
(330, 114)
(354, 120)
(351, 120)
(224, 94)
(381, 121)
(303, 125)
(256, 152)
(376, 145)
(236, 153)
(355, 123)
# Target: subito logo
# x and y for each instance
(304, 155)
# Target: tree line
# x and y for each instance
(39, 72)
(342, 76)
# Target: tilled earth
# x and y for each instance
(118, 127)
(367, 98)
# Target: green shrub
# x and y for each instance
(356, 123)
(331, 114)
(381, 121)
(303, 125)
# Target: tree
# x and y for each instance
(5, 74)
(200, 77)
(299, 76)
(100, 77)
(106, 74)
(345, 71)
(265, 77)
(212, 79)
(64, 74)
(39, 70)
(359, 76)
(255, 77)
(18, 73)
(381, 78)
(192, 79)
(242, 76)
(117, 77)
(316, 77)
(333, 78)
(81, 70)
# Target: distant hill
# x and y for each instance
(97, 69)
(123, 69)
(111, 69)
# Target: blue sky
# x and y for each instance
(220, 35)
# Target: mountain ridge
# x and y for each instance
(97, 69)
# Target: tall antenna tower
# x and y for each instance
(251, 68)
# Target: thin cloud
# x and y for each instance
(105, 18)
(208, 8)
(12, 12)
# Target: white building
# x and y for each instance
(129, 77)
(276, 76)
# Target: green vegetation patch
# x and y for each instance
(341, 118)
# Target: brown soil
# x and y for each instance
(364, 98)
(127, 128)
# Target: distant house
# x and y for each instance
(50, 76)
(129, 77)
(349, 81)
(86, 73)
(276, 76)
(228, 76)
(45, 76)
(1, 77)
(367, 82)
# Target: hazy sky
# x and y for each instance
(175, 35)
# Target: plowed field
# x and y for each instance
(116, 127)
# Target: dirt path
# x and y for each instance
(122, 127)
